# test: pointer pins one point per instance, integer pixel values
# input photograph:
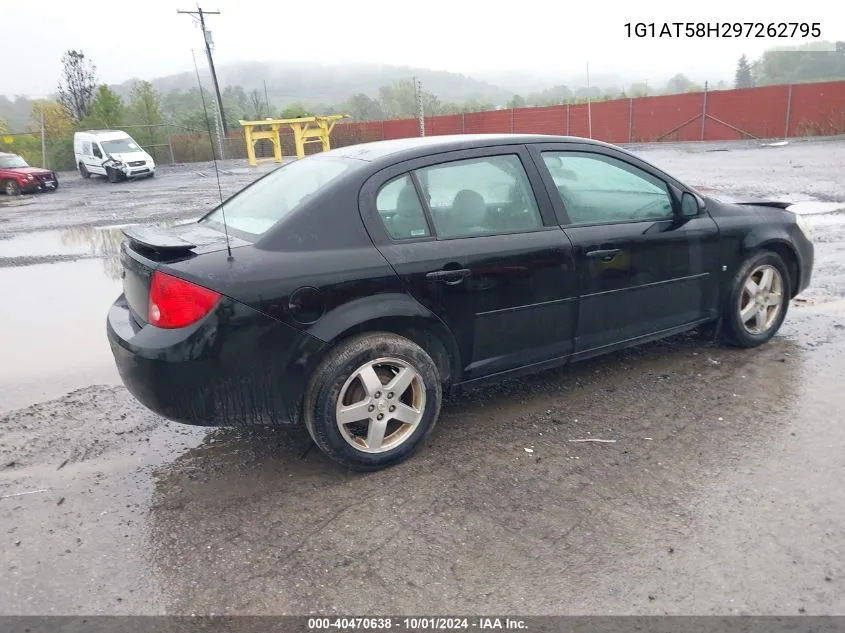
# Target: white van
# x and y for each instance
(111, 153)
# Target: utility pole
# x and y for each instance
(217, 130)
(44, 140)
(419, 97)
(208, 44)
(589, 104)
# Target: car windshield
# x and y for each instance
(120, 146)
(261, 205)
(11, 162)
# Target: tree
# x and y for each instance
(145, 110)
(295, 111)
(58, 130)
(77, 84)
(235, 105)
(474, 105)
(814, 61)
(638, 89)
(362, 108)
(258, 105)
(743, 74)
(677, 84)
(516, 102)
(107, 109)
(400, 99)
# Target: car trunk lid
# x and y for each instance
(146, 248)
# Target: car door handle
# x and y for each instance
(605, 254)
(451, 276)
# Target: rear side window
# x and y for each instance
(261, 205)
(400, 209)
(480, 196)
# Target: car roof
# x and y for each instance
(407, 148)
(114, 133)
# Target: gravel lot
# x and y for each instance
(721, 495)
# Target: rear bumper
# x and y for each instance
(235, 367)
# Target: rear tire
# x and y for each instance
(382, 422)
(758, 301)
(83, 171)
(12, 188)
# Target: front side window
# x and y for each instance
(400, 209)
(261, 205)
(481, 196)
(597, 189)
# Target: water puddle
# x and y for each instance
(84, 241)
(52, 328)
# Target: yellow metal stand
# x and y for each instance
(310, 129)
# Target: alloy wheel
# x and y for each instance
(380, 405)
(761, 299)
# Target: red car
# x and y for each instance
(17, 177)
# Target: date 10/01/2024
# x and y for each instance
(723, 29)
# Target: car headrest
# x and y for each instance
(468, 208)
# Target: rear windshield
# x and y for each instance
(261, 205)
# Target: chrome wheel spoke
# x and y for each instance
(760, 320)
(406, 414)
(372, 383)
(375, 434)
(774, 299)
(401, 382)
(748, 311)
(354, 412)
(766, 279)
(751, 288)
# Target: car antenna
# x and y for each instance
(213, 157)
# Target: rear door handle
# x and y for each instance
(605, 255)
(451, 276)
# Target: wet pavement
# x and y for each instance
(721, 493)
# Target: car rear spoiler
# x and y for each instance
(158, 238)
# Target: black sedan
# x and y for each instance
(348, 291)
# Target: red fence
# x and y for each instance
(816, 109)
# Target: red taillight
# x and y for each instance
(177, 303)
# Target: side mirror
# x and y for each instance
(689, 205)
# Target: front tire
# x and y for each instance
(758, 301)
(12, 188)
(112, 175)
(372, 401)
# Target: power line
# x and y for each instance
(207, 38)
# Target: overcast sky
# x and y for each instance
(148, 39)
